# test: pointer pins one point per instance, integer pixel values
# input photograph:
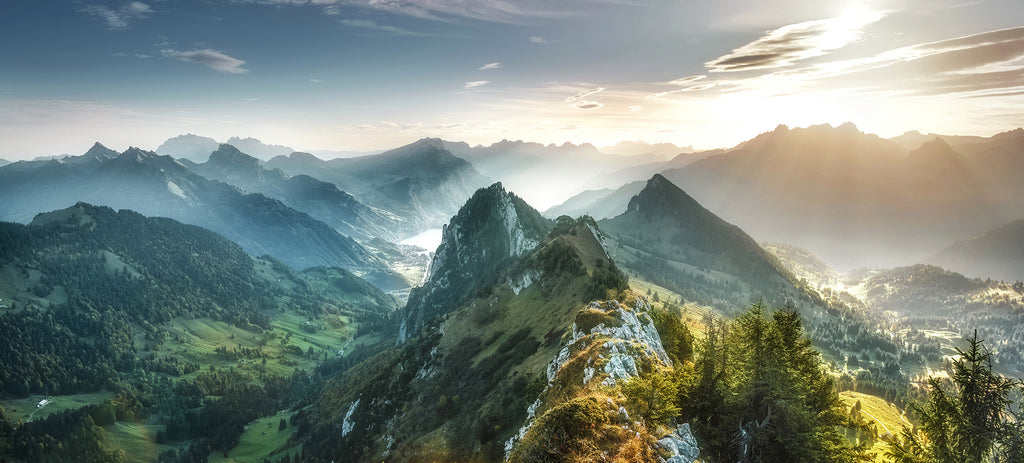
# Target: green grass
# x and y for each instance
(886, 417)
(196, 341)
(260, 440)
(25, 409)
(137, 440)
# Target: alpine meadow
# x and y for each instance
(515, 231)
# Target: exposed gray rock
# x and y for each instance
(681, 445)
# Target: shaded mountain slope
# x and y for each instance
(161, 186)
(998, 254)
(421, 182)
(321, 200)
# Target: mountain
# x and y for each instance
(4, 162)
(913, 139)
(196, 148)
(491, 230)
(421, 182)
(925, 297)
(637, 148)
(461, 388)
(321, 200)
(259, 149)
(599, 204)
(140, 273)
(161, 186)
(184, 327)
(538, 171)
(998, 254)
(673, 241)
(891, 206)
(192, 147)
(578, 204)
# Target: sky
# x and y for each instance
(376, 74)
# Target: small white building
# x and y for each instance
(42, 403)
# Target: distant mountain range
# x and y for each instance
(161, 186)
(422, 182)
(547, 174)
(321, 200)
(998, 254)
(638, 148)
(198, 148)
(856, 199)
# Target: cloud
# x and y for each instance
(489, 66)
(373, 26)
(635, 108)
(692, 88)
(796, 42)
(120, 17)
(587, 105)
(538, 39)
(985, 62)
(687, 80)
(315, 81)
(210, 58)
(584, 94)
(501, 11)
(475, 84)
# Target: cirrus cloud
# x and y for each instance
(212, 59)
(584, 94)
(795, 42)
(120, 17)
(475, 84)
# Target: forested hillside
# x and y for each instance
(162, 317)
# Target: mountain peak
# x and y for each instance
(661, 196)
(99, 153)
(490, 231)
(229, 156)
(136, 154)
(848, 127)
(932, 151)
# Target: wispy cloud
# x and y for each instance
(475, 84)
(503, 11)
(489, 66)
(584, 94)
(538, 39)
(986, 61)
(796, 42)
(118, 17)
(212, 59)
(635, 108)
(374, 26)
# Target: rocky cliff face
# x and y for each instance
(610, 342)
(491, 230)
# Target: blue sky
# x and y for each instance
(372, 74)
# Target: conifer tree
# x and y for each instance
(962, 424)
